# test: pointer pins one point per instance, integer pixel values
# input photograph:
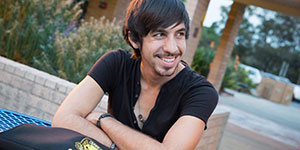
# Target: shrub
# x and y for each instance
(202, 59)
(47, 36)
(27, 27)
(78, 51)
(236, 79)
(233, 79)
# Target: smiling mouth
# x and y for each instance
(168, 60)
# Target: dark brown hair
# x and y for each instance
(144, 16)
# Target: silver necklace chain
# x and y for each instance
(140, 116)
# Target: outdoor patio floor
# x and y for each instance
(259, 124)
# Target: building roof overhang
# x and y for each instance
(289, 7)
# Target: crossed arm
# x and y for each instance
(76, 114)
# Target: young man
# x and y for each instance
(155, 100)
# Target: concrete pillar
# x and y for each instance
(196, 10)
(95, 11)
(120, 10)
(115, 9)
(226, 44)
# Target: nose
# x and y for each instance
(170, 45)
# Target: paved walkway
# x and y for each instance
(258, 124)
(237, 138)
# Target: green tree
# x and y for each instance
(279, 40)
(270, 43)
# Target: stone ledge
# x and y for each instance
(32, 92)
(30, 72)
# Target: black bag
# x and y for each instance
(34, 137)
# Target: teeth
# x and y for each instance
(168, 59)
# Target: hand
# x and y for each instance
(93, 116)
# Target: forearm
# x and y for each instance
(81, 125)
(127, 138)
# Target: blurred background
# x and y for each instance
(248, 49)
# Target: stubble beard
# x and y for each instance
(166, 72)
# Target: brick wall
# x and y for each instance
(211, 137)
(32, 92)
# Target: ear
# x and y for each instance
(136, 45)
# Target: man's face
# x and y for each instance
(163, 48)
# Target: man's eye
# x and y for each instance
(180, 34)
(158, 35)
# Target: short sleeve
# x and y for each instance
(105, 70)
(200, 101)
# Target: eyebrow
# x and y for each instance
(164, 31)
(181, 29)
(158, 30)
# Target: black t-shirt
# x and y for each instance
(187, 93)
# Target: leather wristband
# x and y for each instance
(103, 116)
